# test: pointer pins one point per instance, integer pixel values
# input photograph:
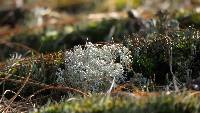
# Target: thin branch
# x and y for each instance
(170, 66)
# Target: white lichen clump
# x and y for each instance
(93, 67)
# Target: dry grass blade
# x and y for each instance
(44, 87)
(197, 93)
(65, 89)
(15, 96)
(10, 44)
(9, 91)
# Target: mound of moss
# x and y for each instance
(153, 104)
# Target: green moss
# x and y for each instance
(196, 18)
(157, 104)
(188, 18)
(122, 4)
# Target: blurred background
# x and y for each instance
(54, 25)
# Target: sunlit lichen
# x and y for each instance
(93, 67)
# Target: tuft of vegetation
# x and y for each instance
(173, 103)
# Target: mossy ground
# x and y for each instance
(152, 103)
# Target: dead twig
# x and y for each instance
(170, 67)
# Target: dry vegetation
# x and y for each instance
(99, 57)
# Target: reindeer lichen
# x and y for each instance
(93, 67)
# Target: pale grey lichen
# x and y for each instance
(94, 66)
